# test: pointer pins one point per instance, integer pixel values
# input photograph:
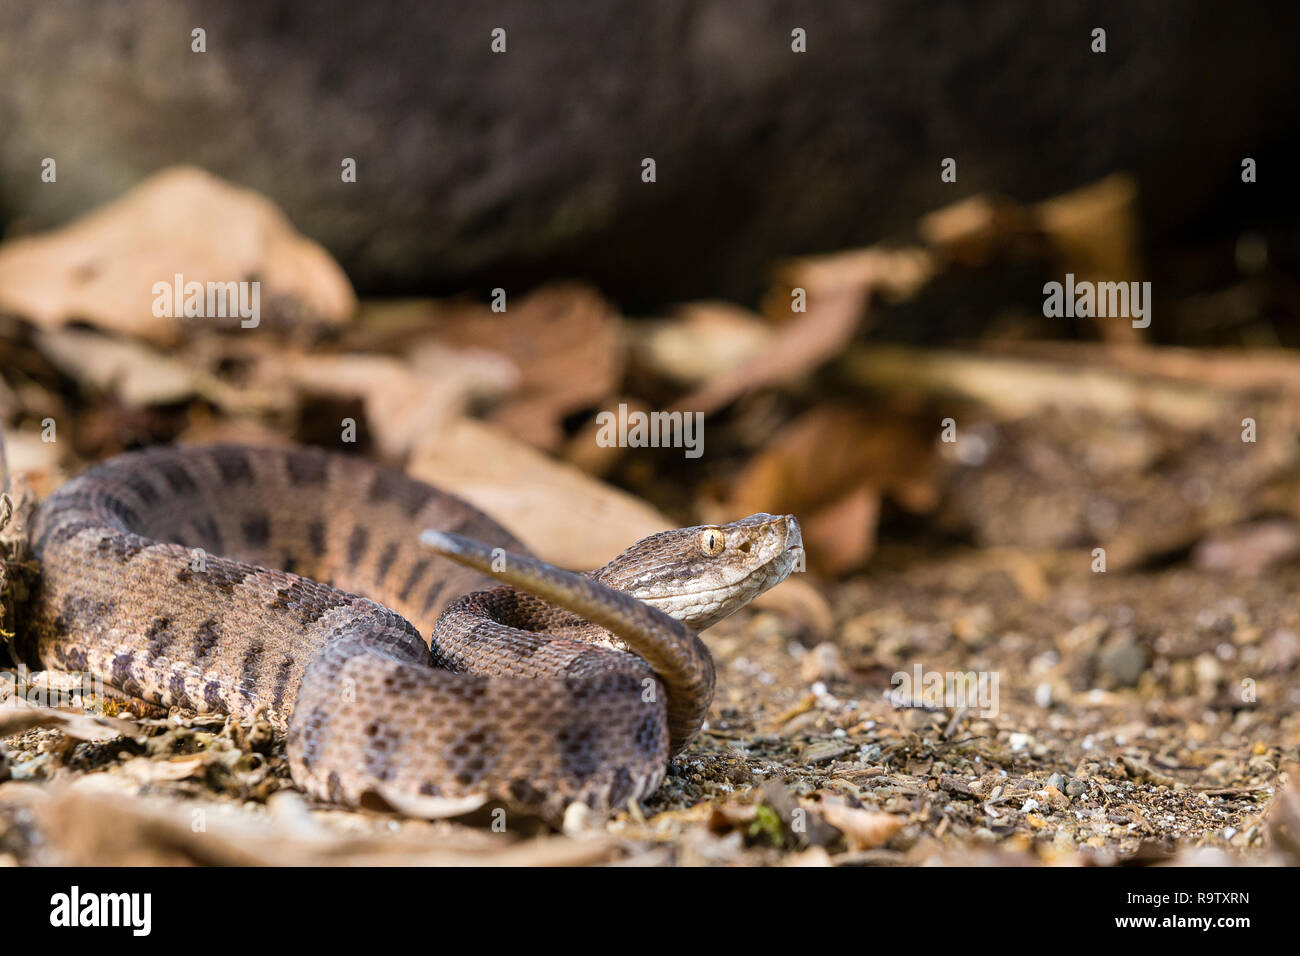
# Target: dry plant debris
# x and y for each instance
(1143, 713)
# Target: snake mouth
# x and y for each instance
(793, 534)
(794, 543)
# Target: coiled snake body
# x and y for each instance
(195, 577)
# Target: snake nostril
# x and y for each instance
(744, 548)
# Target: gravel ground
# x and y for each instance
(1132, 717)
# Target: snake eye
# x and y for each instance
(712, 542)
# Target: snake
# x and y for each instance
(298, 584)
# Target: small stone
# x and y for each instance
(578, 819)
(1057, 781)
(1209, 673)
(1222, 770)
(1283, 648)
(1075, 787)
(1123, 661)
(870, 753)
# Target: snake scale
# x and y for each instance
(229, 579)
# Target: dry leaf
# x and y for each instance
(35, 460)
(143, 770)
(593, 456)
(829, 468)
(897, 274)
(795, 350)
(102, 268)
(864, 829)
(973, 230)
(1095, 229)
(409, 404)
(1016, 388)
(702, 340)
(1255, 370)
(136, 373)
(842, 532)
(22, 717)
(90, 824)
(566, 517)
(563, 341)
(838, 290)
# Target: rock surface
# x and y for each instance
(480, 169)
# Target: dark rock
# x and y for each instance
(478, 169)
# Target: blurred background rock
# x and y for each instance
(477, 170)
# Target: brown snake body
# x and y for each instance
(195, 577)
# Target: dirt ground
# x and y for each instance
(1120, 734)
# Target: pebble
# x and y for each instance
(1283, 648)
(1075, 787)
(1209, 672)
(870, 752)
(1057, 781)
(1124, 661)
(578, 819)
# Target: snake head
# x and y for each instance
(702, 574)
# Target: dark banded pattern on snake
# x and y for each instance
(166, 573)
